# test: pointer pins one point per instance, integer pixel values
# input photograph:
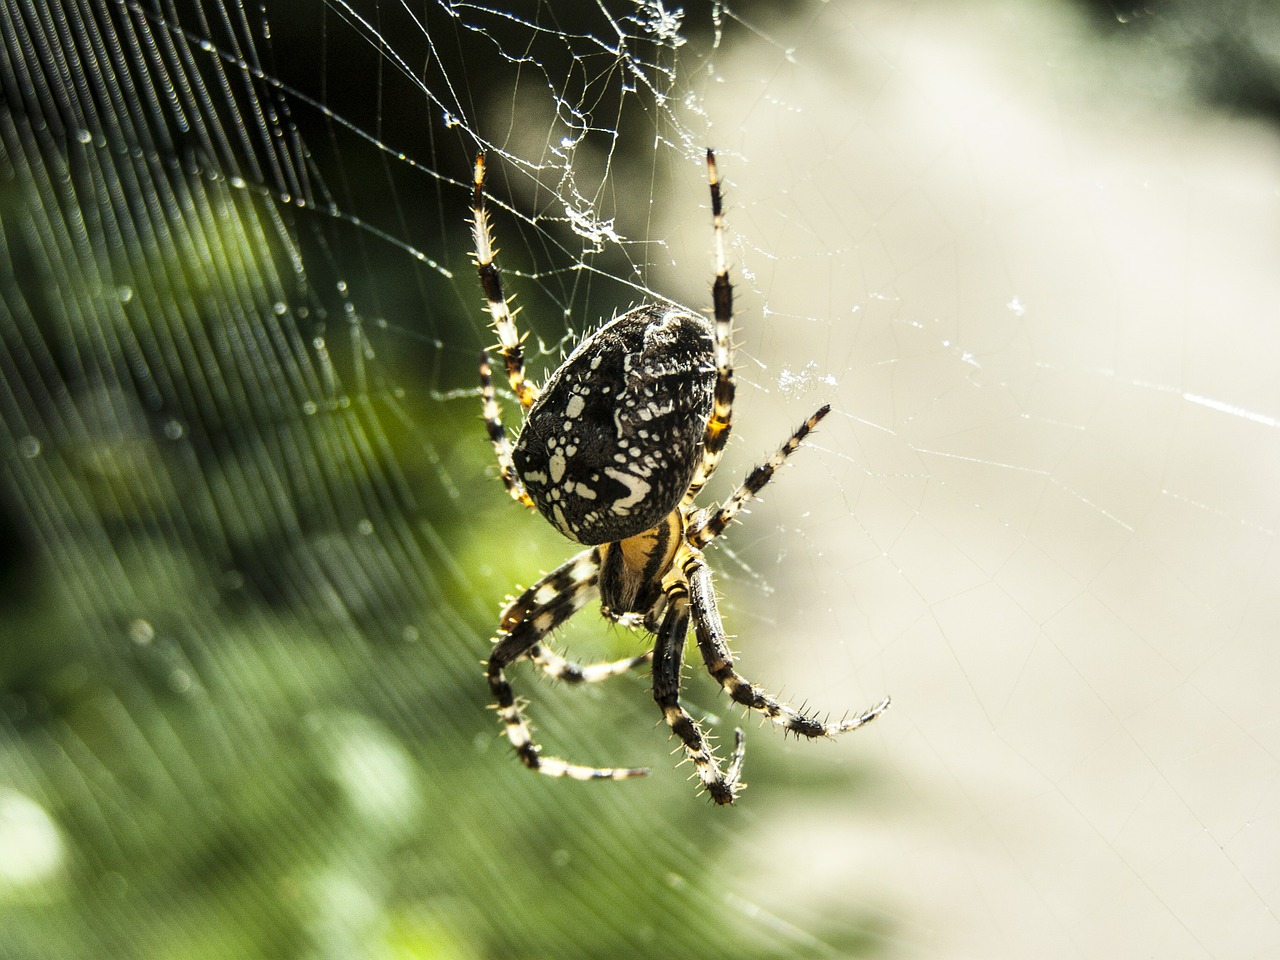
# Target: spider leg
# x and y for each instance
(715, 653)
(497, 302)
(558, 668)
(525, 621)
(709, 526)
(721, 421)
(498, 435)
(668, 660)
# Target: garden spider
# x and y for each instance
(614, 449)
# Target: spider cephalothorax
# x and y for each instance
(613, 451)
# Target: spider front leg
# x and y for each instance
(558, 668)
(713, 644)
(668, 660)
(524, 623)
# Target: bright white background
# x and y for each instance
(1041, 291)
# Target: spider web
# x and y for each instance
(256, 545)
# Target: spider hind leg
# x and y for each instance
(498, 436)
(497, 302)
(720, 423)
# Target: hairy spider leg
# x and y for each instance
(720, 423)
(711, 635)
(524, 623)
(712, 523)
(543, 592)
(714, 646)
(559, 668)
(504, 323)
(668, 660)
(498, 435)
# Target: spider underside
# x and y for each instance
(613, 451)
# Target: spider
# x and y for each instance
(614, 449)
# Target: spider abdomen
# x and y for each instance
(609, 448)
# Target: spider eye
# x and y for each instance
(611, 445)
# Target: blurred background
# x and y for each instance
(253, 545)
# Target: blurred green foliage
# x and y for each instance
(256, 552)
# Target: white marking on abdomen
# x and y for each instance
(639, 490)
